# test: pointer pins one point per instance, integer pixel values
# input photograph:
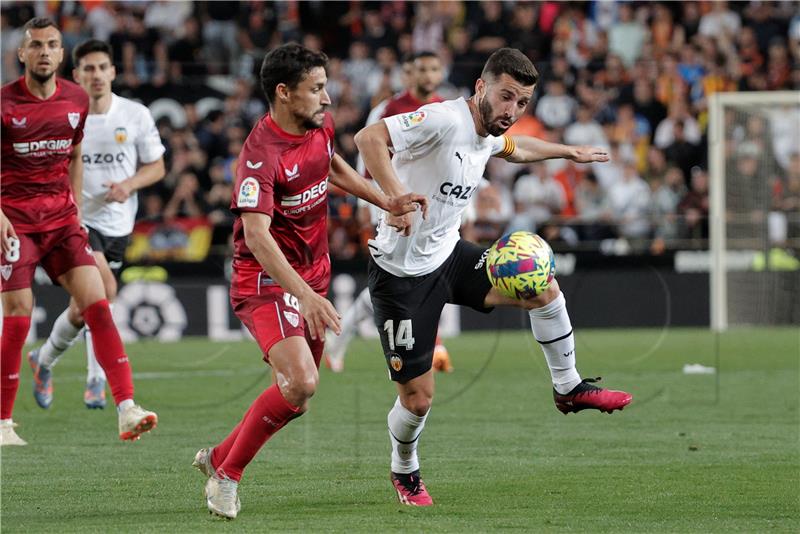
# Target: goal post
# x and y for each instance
(765, 126)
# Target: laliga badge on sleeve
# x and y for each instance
(248, 193)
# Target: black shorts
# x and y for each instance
(407, 309)
(113, 248)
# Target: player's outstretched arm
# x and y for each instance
(317, 310)
(147, 174)
(528, 149)
(344, 176)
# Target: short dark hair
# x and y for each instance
(87, 47)
(512, 62)
(288, 64)
(37, 23)
(424, 54)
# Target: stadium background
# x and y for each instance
(634, 77)
(710, 443)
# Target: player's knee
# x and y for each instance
(544, 298)
(17, 308)
(419, 404)
(301, 387)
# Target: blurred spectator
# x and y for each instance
(593, 210)
(681, 152)
(428, 33)
(537, 198)
(556, 107)
(492, 28)
(187, 200)
(720, 21)
(524, 35)
(666, 195)
(665, 132)
(626, 36)
(693, 208)
(220, 34)
(645, 104)
(187, 53)
(585, 130)
(629, 200)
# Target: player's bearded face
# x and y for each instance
(502, 103)
(41, 52)
(310, 99)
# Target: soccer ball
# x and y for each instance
(520, 265)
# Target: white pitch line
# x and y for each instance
(169, 375)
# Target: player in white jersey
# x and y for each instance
(422, 75)
(122, 153)
(441, 151)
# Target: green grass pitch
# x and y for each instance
(692, 453)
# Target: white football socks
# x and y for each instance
(361, 309)
(404, 431)
(61, 338)
(93, 369)
(553, 330)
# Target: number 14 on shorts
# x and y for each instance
(404, 337)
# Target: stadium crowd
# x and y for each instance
(634, 77)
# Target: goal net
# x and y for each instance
(754, 218)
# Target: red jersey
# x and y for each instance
(406, 103)
(38, 137)
(284, 176)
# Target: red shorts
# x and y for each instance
(58, 251)
(273, 316)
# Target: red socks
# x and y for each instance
(268, 414)
(109, 350)
(15, 330)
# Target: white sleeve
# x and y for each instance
(419, 130)
(148, 142)
(502, 146)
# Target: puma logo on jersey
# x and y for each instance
(293, 173)
(306, 196)
(19, 123)
(74, 119)
(460, 158)
(256, 165)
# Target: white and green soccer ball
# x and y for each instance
(521, 265)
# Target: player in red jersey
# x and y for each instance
(423, 75)
(281, 267)
(427, 76)
(43, 120)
